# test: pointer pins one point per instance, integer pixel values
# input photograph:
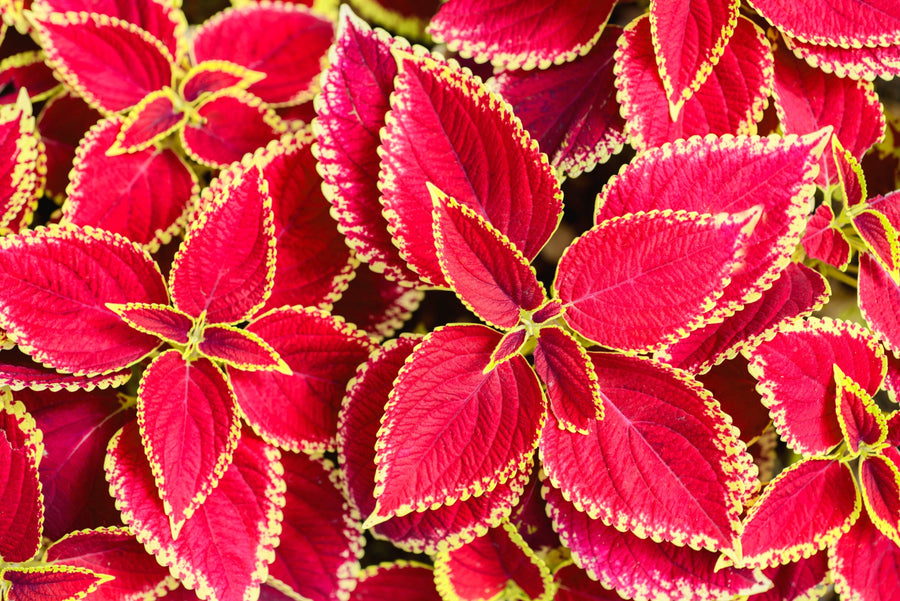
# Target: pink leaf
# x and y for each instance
(806, 578)
(51, 583)
(824, 242)
(399, 580)
(150, 121)
(574, 584)
(64, 323)
(27, 70)
(879, 295)
(860, 419)
(189, 425)
(21, 172)
(847, 23)
(880, 238)
(63, 122)
(211, 76)
(486, 161)
(538, 33)
(512, 344)
(166, 322)
(21, 522)
(224, 268)
(879, 478)
(223, 552)
(240, 349)
(859, 561)
(450, 430)
(855, 63)
(18, 371)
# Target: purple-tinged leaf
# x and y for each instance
(224, 269)
(860, 419)
(450, 430)
(223, 552)
(639, 568)
(156, 116)
(21, 449)
(571, 109)
(689, 39)
(190, 428)
(51, 583)
(27, 70)
(63, 122)
(351, 111)
(18, 371)
(375, 304)
(113, 552)
(806, 507)
(539, 33)
(865, 63)
(797, 292)
(732, 385)
(64, 323)
(796, 378)
(211, 76)
(478, 154)
(488, 273)
(496, 562)
(163, 321)
(399, 580)
(845, 23)
(286, 42)
(879, 479)
(798, 580)
(76, 427)
(879, 295)
(728, 175)
(808, 99)
(860, 560)
(566, 370)
(240, 349)
(144, 195)
(824, 242)
(24, 162)
(298, 412)
(111, 63)
(730, 101)
(642, 281)
(320, 543)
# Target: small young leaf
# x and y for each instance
(211, 76)
(166, 322)
(21, 449)
(240, 349)
(824, 242)
(151, 120)
(861, 421)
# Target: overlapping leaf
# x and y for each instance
(208, 77)
(856, 63)
(27, 70)
(879, 479)
(168, 323)
(58, 583)
(152, 119)
(859, 561)
(845, 23)
(823, 242)
(18, 371)
(22, 170)
(63, 122)
(878, 295)
(398, 580)
(860, 419)
(21, 449)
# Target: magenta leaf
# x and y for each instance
(824, 242)
(223, 270)
(656, 421)
(642, 281)
(488, 31)
(211, 76)
(485, 161)
(879, 479)
(163, 321)
(298, 412)
(51, 583)
(240, 349)
(18, 371)
(806, 507)
(222, 552)
(856, 63)
(846, 23)
(861, 558)
(21, 449)
(399, 580)
(860, 419)
(64, 323)
(189, 425)
(878, 295)
(880, 236)
(806, 578)
(149, 206)
(488, 273)
(63, 122)
(27, 70)
(446, 415)
(21, 172)
(152, 119)
(512, 343)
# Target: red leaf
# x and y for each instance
(27, 70)
(488, 273)
(450, 430)
(143, 195)
(844, 23)
(224, 269)
(538, 33)
(240, 349)
(21, 449)
(640, 282)
(211, 76)
(298, 412)
(286, 42)
(860, 419)
(190, 426)
(51, 583)
(399, 580)
(729, 101)
(18, 371)
(657, 421)
(824, 242)
(732, 385)
(879, 296)
(803, 579)
(512, 344)
(860, 560)
(113, 64)
(151, 120)
(224, 550)
(21, 170)
(375, 304)
(855, 63)
(485, 161)
(879, 479)
(166, 322)
(571, 109)
(574, 584)
(63, 122)
(879, 235)
(64, 323)
(808, 506)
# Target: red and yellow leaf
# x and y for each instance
(399, 580)
(879, 295)
(862, 422)
(18, 371)
(163, 321)
(844, 23)
(63, 122)
(860, 560)
(211, 76)
(24, 162)
(21, 449)
(879, 480)
(865, 63)
(51, 583)
(240, 349)
(27, 70)
(823, 241)
(156, 116)
(797, 581)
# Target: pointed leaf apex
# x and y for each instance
(820, 138)
(176, 523)
(675, 108)
(23, 102)
(374, 519)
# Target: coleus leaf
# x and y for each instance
(152, 119)
(111, 63)
(446, 413)
(656, 420)
(18, 371)
(642, 281)
(21, 449)
(116, 553)
(796, 378)
(240, 349)
(286, 42)
(351, 111)
(51, 583)
(27, 70)
(168, 323)
(728, 174)
(189, 426)
(63, 122)
(860, 559)
(880, 238)
(806, 507)
(571, 109)
(224, 269)
(878, 294)
(798, 291)
(212, 76)
(807, 578)
(574, 584)
(860, 419)
(398, 580)
(488, 273)
(317, 554)
(375, 304)
(855, 63)
(298, 412)
(222, 552)
(486, 162)
(512, 343)
(844, 23)
(21, 173)
(446, 527)
(824, 242)
(688, 40)
(879, 480)
(487, 31)
(850, 175)
(487, 566)
(144, 195)
(65, 323)
(641, 568)
(740, 81)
